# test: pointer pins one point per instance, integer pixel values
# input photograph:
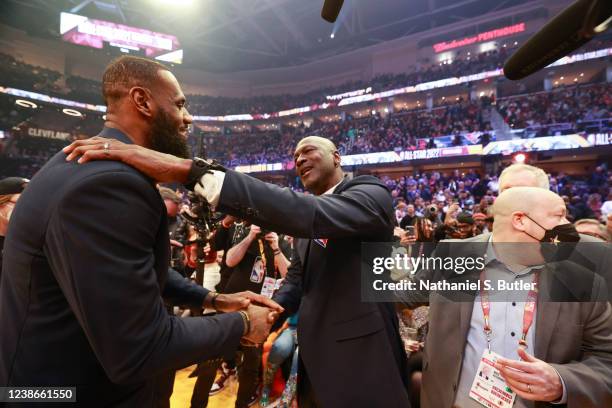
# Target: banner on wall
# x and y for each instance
(47, 133)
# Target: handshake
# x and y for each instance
(258, 312)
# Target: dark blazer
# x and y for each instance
(350, 349)
(85, 263)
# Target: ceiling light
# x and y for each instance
(26, 104)
(72, 112)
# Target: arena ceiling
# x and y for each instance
(239, 35)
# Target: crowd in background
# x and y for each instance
(474, 193)
(568, 110)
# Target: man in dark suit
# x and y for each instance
(351, 352)
(86, 265)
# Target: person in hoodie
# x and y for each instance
(345, 344)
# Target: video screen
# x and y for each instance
(85, 31)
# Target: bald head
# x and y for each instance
(521, 209)
(524, 175)
(317, 162)
(323, 143)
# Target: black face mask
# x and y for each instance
(563, 234)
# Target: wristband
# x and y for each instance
(246, 321)
(200, 167)
(213, 299)
(277, 251)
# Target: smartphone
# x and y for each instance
(410, 230)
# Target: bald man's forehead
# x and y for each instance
(319, 143)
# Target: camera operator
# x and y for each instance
(258, 264)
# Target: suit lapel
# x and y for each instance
(465, 317)
(313, 253)
(547, 315)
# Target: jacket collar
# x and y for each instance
(112, 133)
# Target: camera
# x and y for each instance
(431, 210)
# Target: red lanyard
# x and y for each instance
(529, 312)
(262, 253)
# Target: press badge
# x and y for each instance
(257, 273)
(489, 387)
(268, 288)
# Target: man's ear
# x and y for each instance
(337, 159)
(518, 221)
(141, 98)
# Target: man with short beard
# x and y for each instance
(86, 265)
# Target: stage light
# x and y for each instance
(519, 158)
(332, 35)
(26, 104)
(72, 112)
(386, 110)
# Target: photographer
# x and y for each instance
(257, 264)
(457, 225)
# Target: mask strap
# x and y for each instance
(536, 223)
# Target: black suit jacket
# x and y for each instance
(85, 264)
(350, 349)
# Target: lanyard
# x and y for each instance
(529, 312)
(262, 253)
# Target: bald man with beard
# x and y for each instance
(350, 351)
(564, 357)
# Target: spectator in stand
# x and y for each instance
(606, 207)
(410, 217)
(400, 210)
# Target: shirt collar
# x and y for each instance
(331, 190)
(490, 256)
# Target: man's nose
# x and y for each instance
(188, 119)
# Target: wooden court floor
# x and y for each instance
(183, 387)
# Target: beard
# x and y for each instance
(165, 137)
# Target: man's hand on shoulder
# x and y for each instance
(163, 168)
